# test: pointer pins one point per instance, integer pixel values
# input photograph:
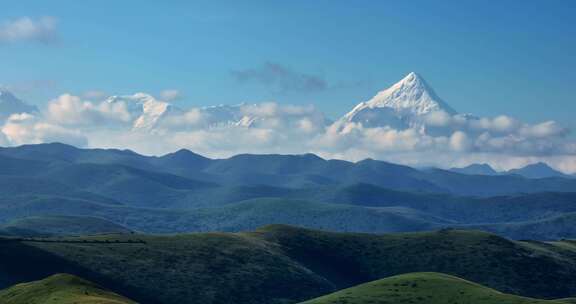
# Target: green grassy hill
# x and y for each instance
(191, 268)
(524, 268)
(61, 289)
(425, 288)
(283, 264)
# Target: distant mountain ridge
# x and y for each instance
(535, 170)
(478, 169)
(294, 171)
(184, 192)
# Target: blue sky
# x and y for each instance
(483, 57)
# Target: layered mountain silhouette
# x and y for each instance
(536, 170)
(185, 192)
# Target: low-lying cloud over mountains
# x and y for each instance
(406, 123)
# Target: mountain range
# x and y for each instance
(535, 170)
(186, 192)
(403, 105)
(408, 104)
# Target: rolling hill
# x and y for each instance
(284, 264)
(61, 289)
(425, 288)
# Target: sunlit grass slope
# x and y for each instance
(60, 289)
(424, 287)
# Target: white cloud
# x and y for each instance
(170, 95)
(4, 141)
(191, 119)
(438, 119)
(445, 140)
(25, 29)
(28, 129)
(544, 130)
(95, 95)
(459, 141)
(71, 110)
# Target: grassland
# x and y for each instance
(425, 288)
(283, 264)
(60, 289)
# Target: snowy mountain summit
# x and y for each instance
(144, 108)
(401, 106)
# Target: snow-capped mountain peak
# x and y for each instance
(146, 109)
(411, 94)
(400, 106)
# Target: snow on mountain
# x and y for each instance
(401, 106)
(263, 115)
(9, 105)
(146, 110)
(226, 116)
(148, 113)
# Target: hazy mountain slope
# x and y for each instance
(359, 208)
(130, 185)
(249, 215)
(483, 185)
(61, 289)
(537, 170)
(476, 169)
(282, 264)
(20, 167)
(276, 170)
(295, 171)
(57, 225)
(15, 186)
(151, 220)
(61, 153)
(424, 287)
(461, 209)
(551, 228)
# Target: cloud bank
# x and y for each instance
(25, 29)
(153, 126)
